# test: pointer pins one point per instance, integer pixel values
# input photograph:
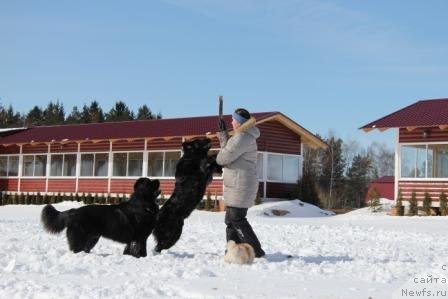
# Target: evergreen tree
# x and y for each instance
(356, 181)
(54, 114)
(35, 117)
(9, 118)
(443, 204)
(427, 204)
(374, 200)
(75, 117)
(145, 113)
(399, 204)
(120, 112)
(92, 114)
(413, 205)
(307, 191)
(208, 201)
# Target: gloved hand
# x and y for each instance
(222, 125)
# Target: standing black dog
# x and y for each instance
(194, 172)
(129, 222)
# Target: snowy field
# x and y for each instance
(356, 255)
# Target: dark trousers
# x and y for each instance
(239, 230)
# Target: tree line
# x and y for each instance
(333, 178)
(338, 177)
(54, 114)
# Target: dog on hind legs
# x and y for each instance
(129, 222)
(241, 253)
(194, 172)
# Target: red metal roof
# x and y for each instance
(174, 127)
(425, 113)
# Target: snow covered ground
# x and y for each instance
(356, 255)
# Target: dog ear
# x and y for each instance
(155, 184)
(139, 182)
(207, 145)
(187, 146)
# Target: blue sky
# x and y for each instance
(326, 64)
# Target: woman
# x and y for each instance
(238, 156)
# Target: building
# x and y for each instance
(385, 187)
(421, 155)
(109, 157)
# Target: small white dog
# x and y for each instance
(241, 253)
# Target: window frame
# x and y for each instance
(8, 156)
(93, 165)
(34, 166)
(63, 163)
(127, 164)
(265, 162)
(163, 163)
(400, 158)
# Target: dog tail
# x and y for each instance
(53, 221)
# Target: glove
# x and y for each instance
(222, 125)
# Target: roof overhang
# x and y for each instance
(307, 137)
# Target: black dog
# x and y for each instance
(194, 172)
(129, 222)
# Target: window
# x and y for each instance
(9, 166)
(163, 164)
(128, 164)
(424, 161)
(101, 164)
(171, 159)
(135, 164)
(13, 165)
(94, 164)
(87, 164)
(438, 160)
(283, 168)
(63, 165)
(275, 167)
(34, 165)
(290, 169)
(120, 161)
(155, 164)
(4, 166)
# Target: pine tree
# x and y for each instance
(208, 201)
(9, 118)
(92, 113)
(443, 204)
(35, 117)
(413, 205)
(145, 113)
(399, 204)
(120, 112)
(54, 114)
(374, 200)
(21, 199)
(357, 181)
(75, 117)
(427, 204)
(39, 199)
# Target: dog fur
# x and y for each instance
(241, 253)
(194, 172)
(130, 222)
